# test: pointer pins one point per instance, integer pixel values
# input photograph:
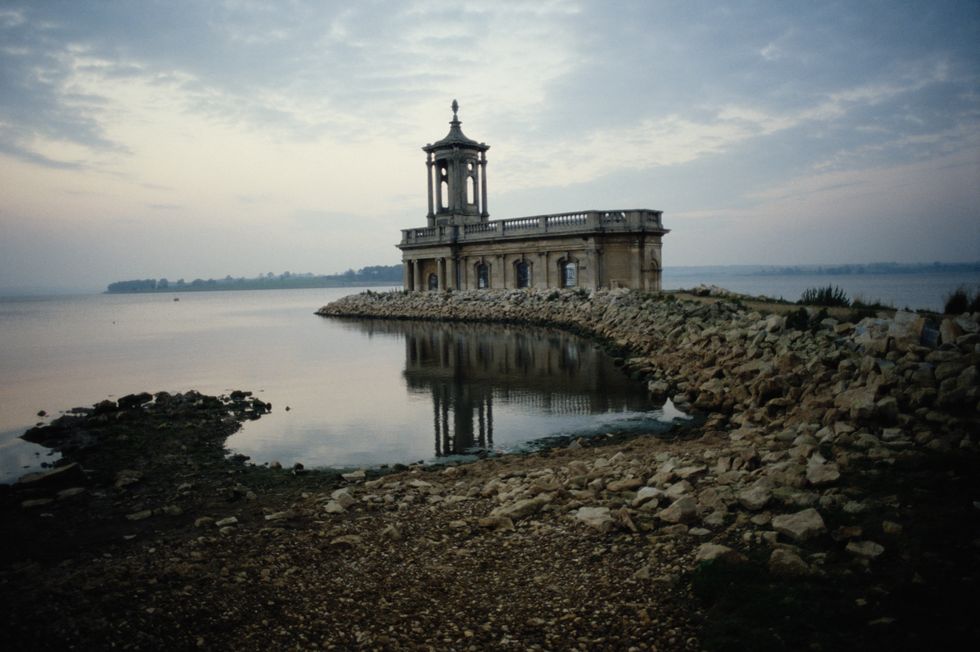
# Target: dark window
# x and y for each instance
(482, 276)
(523, 274)
(433, 282)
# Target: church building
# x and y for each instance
(460, 247)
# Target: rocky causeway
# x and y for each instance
(829, 500)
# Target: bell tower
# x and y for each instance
(457, 178)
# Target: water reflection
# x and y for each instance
(469, 369)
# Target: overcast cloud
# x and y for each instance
(199, 139)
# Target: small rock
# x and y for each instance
(645, 494)
(69, 474)
(865, 549)
(787, 563)
(819, 475)
(343, 498)
(891, 527)
(624, 485)
(755, 497)
(597, 518)
(801, 526)
(279, 516)
(391, 532)
(716, 551)
(354, 476)
(498, 523)
(682, 510)
(140, 515)
(333, 507)
(36, 502)
(226, 522)
(348, 540)
(678, 489)
(522, 508)
(71, 492)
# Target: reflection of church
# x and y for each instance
(461, 248)
(468, 369)
(474, 372)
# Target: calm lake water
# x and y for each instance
(359, 392)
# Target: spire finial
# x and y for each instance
(455, 107)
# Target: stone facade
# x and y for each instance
(461, 248)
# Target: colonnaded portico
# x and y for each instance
(461, 248)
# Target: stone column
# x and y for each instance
(440, 273)
(428, 167)
(407, 275)
(451, 274)
(592, 261)
(484, 213)
(636, 252)
(416, 275)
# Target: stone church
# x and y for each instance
(460, 247)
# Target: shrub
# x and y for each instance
(801, 320)
(828, 296)
(962, 300)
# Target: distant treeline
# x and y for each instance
(373, 275)
(869, 268)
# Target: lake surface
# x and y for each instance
(359, 392)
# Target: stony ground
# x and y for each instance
(791, 519)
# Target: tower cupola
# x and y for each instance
(457, 177)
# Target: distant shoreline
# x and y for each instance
(236, 288)
(366, 276)
(844, 269)
(871, 268)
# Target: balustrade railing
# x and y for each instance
(585, 221)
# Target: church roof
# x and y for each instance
(456, 137)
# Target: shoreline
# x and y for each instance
(825, 501)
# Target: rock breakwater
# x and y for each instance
(803, 373)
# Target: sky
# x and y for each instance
(185, 139)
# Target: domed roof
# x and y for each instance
(456, 137)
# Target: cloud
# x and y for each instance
(12, 148)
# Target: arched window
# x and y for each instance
(522, 270)
(569, 274)
(482, 276)
(433, 282)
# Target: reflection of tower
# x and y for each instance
(460, 436)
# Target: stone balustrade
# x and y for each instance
(583, 222)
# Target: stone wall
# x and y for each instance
(869, 386)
